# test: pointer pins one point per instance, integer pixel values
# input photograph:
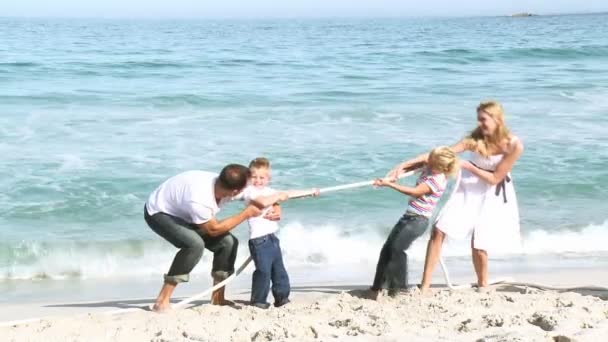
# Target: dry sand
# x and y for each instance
(507, 313)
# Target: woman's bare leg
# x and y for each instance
(480, 262)
(433, 251)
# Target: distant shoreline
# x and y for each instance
(524, 15)
(146, 18)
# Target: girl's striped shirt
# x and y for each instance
(425, 204)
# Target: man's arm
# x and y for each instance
(274, 214)
(266, 201)
(214, 227)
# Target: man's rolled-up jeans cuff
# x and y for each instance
(176, 279)
(220, 275)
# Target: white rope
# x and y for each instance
(451, 286)
(223, 283)
(444, 268)
(446, 274)
(244, 265)
(185, 302)
(512, 282)
(189, 300)
(506, 280)
(226, 281)
(555, 288)
(359, 184)
(356, 185)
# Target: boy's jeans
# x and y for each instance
(266, 254)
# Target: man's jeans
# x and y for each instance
(191, 243)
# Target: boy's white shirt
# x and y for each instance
(258, 226)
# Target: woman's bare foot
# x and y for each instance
(426, 291)
(160, 307)
(484, 289)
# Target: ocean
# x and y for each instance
(94, 114)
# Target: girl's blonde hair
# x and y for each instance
(481, 144)
(443, 159)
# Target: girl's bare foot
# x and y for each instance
(373, 294)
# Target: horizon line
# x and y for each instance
(282, 17)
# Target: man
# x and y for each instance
(182, 210)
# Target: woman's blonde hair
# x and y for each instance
(443, 159)
(481, 144)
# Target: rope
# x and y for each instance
(508, 281)
(241, 268)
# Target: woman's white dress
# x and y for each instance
(488, 211)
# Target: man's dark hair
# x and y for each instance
(234, 177)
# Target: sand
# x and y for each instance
(343, 313)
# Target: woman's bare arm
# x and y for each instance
(503, 167)
(420, 160)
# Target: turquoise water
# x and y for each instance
(94, 114)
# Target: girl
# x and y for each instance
(391, 271)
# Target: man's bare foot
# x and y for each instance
(217, 298)
(223, 302)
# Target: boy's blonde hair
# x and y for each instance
(481, 144)
(260, 163)
(444, 160)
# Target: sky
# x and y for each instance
(289, 8)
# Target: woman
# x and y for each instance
(484, 202)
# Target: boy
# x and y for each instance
(263, 244)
